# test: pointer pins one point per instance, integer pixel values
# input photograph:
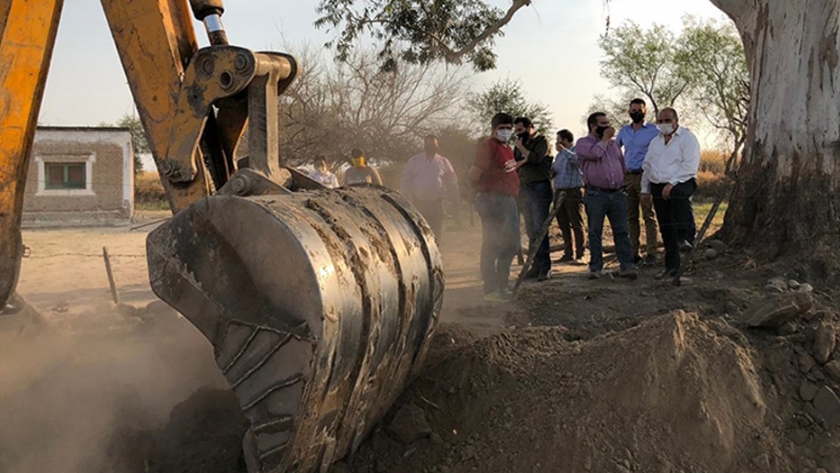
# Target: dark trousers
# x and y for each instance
(602, 204)
(570, 221)
(676, 218)
(523, 205)
(432, 211)
(535, 199)
(500, 238)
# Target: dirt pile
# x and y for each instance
(742, 380)
(673, 394)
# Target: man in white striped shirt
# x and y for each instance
(668, 182)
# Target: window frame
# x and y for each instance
(64, 159)
(65, 184)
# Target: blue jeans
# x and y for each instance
(612, 205)
(538, 199)
(500, 238)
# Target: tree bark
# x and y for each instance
(786, 199)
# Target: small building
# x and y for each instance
(80, 176)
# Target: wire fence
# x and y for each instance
(28, 254)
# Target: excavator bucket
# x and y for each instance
(320, 306)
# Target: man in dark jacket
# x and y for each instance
(533, 157)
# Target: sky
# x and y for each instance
(551, 47)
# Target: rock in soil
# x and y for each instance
(775, 311)
(762, 462)
(806, 363)
(833, 369)
(732, 308)
(788, 329)
(710, 254)
(808, 390)
(828, 405)
(799, 436)
(409, 425)
(825, 342)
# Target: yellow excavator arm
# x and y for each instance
(320, 304)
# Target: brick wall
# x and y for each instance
(108, 191)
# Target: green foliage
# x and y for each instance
(712, 53)
(644, 61)
(416, 31)
(421, 31)
(704, 68)
(506, 96)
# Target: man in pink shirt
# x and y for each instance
(427, 180)
(603, 175)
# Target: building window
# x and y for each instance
(65, 176)
(61, 175)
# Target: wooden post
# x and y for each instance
(114, 294)
(700, 236)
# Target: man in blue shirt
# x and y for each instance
(635, 139)
(568, 178)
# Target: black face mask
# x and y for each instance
(600, 130)
(431, 150)
(637, 117)
(524, 135)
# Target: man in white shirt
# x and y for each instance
(427, 180)
(668, 182)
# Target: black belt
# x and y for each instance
(635, 171)
(608, 191)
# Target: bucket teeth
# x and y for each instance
(319, 305)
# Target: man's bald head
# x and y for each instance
(669, 112)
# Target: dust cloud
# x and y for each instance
(88, 401)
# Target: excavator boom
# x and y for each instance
(27, 36)
(320, 304)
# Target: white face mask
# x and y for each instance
(665, 128)
(504, 135)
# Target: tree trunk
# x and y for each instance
(786, 198)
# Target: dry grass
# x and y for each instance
(148, 191)
(711, 179)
